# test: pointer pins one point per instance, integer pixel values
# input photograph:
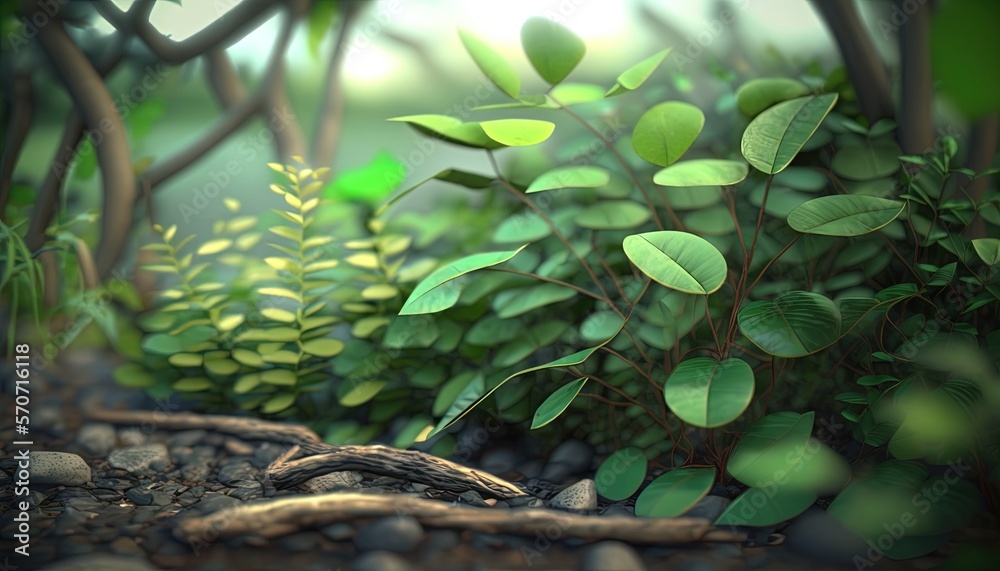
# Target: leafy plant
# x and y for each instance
(703, 293)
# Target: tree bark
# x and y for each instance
(48, 195)
(329, 118)
(228, 29)
(916, 117)
(982, 154)
(21, 108)
(92, 99)
(864, 66)
(283, 516)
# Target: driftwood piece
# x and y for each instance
(286, 472)
(284, 516)
(410, 465)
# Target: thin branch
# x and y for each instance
(21, 108)
(228, 29)
(916, 124)
(328, 121)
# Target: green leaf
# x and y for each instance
(85, 164)
(633, 77)
(469, 401)
(193, 385)
(613, 215)
(353, 393)
(709, 393)
(434, 293)
(320, 21)
(278, 403)
(520, 228)
(514, 302)
(844, 215)
(552, 48)
(761, 450)
(323, 347)
(702, 172)
(775, 136)
(141, 119)
(556, 403)
(454, 176)
(282, 377)
(162, 344)
(666, 131)
(766, 506)
(866, 161)
(451, 130)
(370, 183)
(988, 250)
(757, 95)
(621, 474)
(793, 324)
(518, 132)
(134, 375)
(600, 325)
(675, 492)
(678, 260)
(492, 64)
(570, 177)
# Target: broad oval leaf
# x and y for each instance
(678, 260)
(613, 215)
(844, 215)
(556, 403)
(793, 324)
(354, 392)
(766, 506)
(666, 131)
(621, 474)
(553, 49)
(492, 64)
(709, 393)
(518, 132)
(514, 302)
(433, 294)
(757, 95)
(988, 250)
(675, 492)
(774, 137)
(451, 130)
(703, 172)
(633, 77)
(762, 448)
(570, 177)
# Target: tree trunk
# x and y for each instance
(916, 100)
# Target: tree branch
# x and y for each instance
(864, 66)
(982, 152)
(916, 123)
(331, 109)
(94, 103)
(21, 107)
(161, 171)
(228, 29)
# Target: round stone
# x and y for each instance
(611, 556)
(61, 468)
(580, 496)
(138, 458)
(380, 561)
(400, 534)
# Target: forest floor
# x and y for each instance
(141, 497)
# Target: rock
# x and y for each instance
(611, 556)
(236, 472)
(102, 562)
(247, 491)
(568, 459)
(187, 438)
(132, 436)
(139, 458)
(97, 439)
(580, 496)
(59, 468)
(619, 510)
(400, 534)
(500, 460)
(821, 538)
(380, 561)
(139, 497)
(709, 507)
(696, 564)
(215, 503)
(472, 498)
(338, 531)
(332, 481)
(307, 541)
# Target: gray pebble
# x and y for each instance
(472, 498)
(619, 510)
(338, 531)
(611, 556)
(822, 538)
(380, 561)
(235, 472)
(580, 496)
(214, 503)
(187, 438)
(400, 534)
(97, 439)
(568, 459)
(139, 496)
(60, 468)
(499, 460)
(139, 458)
(332, 481)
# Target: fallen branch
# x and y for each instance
(412, 465)
(284, 516)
